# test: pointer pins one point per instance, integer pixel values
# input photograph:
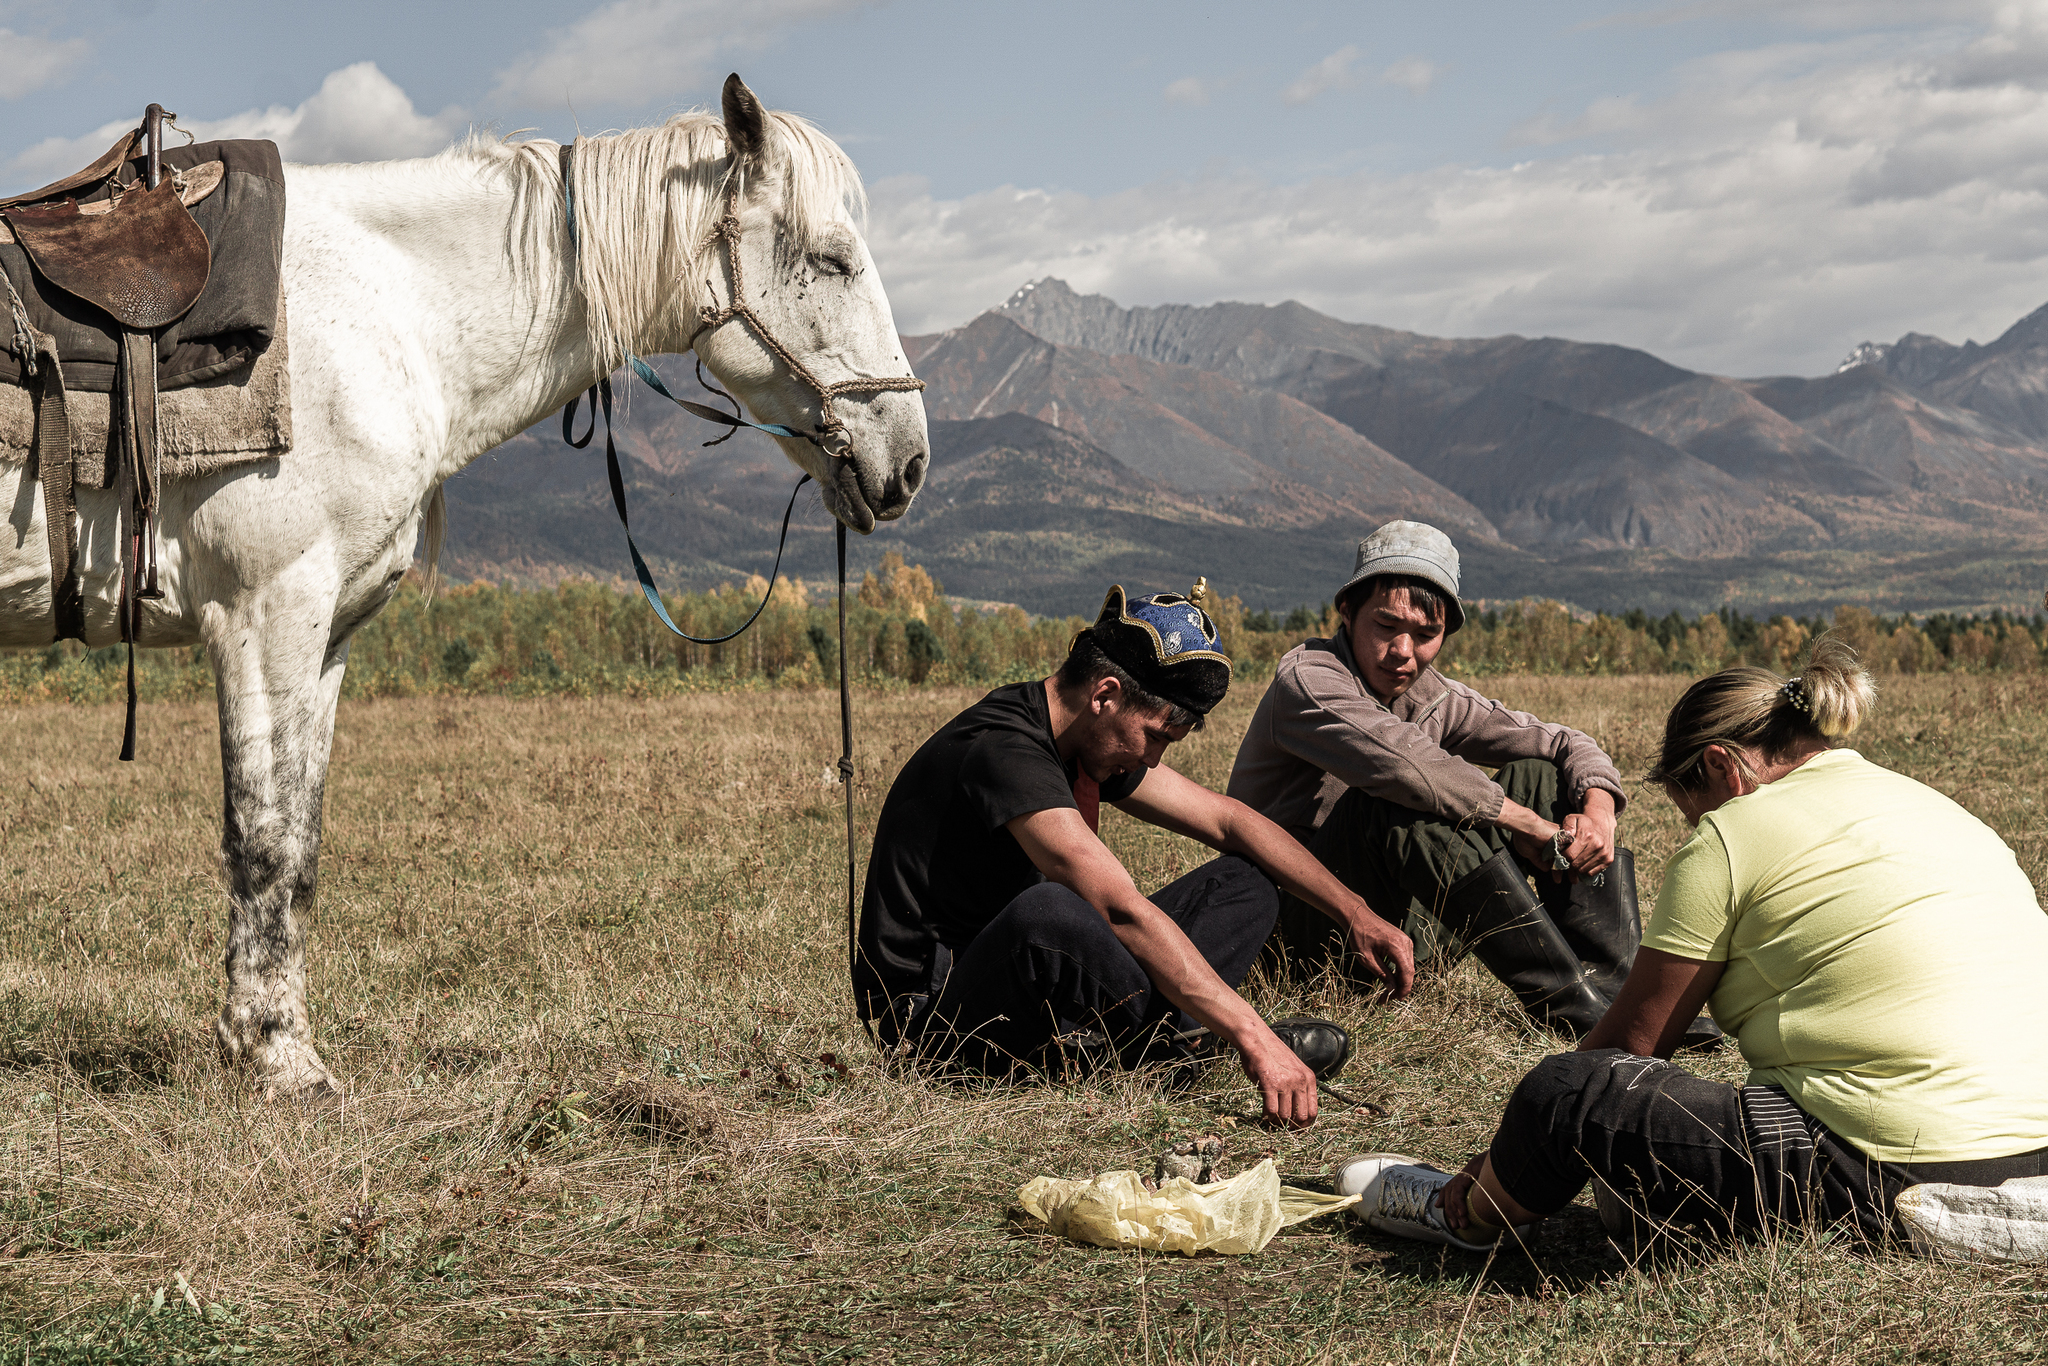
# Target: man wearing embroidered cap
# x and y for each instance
(1372, 759)
(997, 930)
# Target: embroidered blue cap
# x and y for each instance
(1167, 644)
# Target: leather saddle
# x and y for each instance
(143, 261)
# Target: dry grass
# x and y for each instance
(580, 966)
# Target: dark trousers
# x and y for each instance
(1049, 967)
(1684, 1150)
(1401, 861)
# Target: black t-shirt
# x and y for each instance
(943, 864)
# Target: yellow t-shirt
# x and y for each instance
(1887, 959)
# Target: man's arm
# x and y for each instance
(1477, 728)
(1322, 715)
(1173, 802)
(1063, 848)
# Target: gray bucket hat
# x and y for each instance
(1419, 551)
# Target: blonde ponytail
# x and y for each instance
(1837, 690)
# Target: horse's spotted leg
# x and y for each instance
(278, 685)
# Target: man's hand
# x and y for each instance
(1589, 836)
(1385, 949)
(1592, 834)
(1285, 1082)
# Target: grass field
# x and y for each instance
(579, 963)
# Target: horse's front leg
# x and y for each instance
(279, 678)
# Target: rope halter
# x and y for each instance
(830, 435)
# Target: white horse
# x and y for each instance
(436, 308)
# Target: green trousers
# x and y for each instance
(1402, 862)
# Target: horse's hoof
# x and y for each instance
(316, 1090)
(284, 1067)
(287, 1070)
(295, 1073)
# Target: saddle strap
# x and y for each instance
(54, 469)
(140, 449)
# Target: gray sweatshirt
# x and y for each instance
(1319, 731)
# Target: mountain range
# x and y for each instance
(1076, 443)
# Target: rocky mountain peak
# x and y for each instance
(1914, 360)
(2029, 332)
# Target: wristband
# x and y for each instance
(1560, 863)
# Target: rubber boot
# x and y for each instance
(1494, 910)
(1604, 927)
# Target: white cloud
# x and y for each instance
(1611, 114)
(632, 51)
(358, 114)
(1331, 73)
(1413, 74)
(1814, 14)
(1771, 210)
(54, 157)
(28, 63)
(1187, 90)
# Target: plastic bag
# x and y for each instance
(2007, 1223)
(1116, 1210)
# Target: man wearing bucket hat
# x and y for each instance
(1371, 758)
(998, 932)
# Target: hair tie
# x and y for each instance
(1795, 693)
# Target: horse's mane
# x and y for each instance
(636, 281)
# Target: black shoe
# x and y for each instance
(1494, 910)
(1323, 1046)
(1702, 1036)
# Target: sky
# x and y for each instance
(1740, 187)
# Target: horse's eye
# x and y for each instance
(833, 264)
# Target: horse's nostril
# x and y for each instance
(915, 471)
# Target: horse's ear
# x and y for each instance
(746, 125)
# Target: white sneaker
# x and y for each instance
(1403, 1196)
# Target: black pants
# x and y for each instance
(1684, 1150)
(1402, 862)
(1049, 966)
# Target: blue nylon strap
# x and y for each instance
(640, 570)
(653, 381)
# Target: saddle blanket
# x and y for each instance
(222, 373)
(241, 418)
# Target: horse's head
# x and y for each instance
(815, 322)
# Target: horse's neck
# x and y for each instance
(488, 338)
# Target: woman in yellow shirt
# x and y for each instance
(1874, 949)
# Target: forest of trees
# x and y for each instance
(587, 637)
